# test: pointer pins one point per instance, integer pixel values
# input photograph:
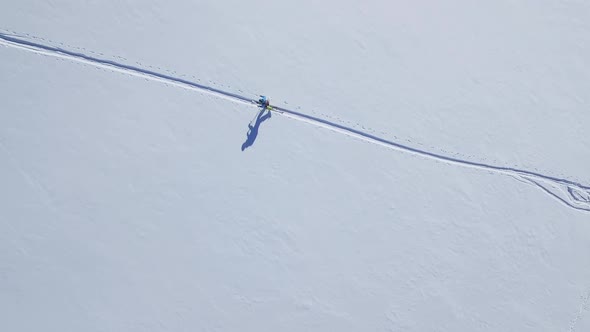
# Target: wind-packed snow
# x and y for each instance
(428, 173)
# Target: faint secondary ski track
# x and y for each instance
(584, 306)
(570, 193)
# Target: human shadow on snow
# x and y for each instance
(262, 116)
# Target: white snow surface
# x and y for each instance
(441, 185)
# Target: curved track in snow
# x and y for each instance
(570, 193)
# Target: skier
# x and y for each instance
(264, 102)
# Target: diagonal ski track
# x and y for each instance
(570, 193)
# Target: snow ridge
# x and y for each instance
(570, 193)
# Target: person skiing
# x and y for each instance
(264, 101)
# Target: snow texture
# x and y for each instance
(425, 168)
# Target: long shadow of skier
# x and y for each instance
(253, 129)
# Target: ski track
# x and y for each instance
(584, 306)
(570, 193)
